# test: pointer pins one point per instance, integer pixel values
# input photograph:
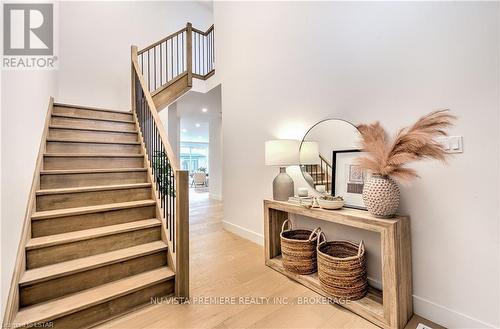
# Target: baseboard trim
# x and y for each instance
(444, 316)
(243, 232)
(374, 283)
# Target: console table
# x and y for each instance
(390, 308)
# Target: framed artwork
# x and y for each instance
(349, 179)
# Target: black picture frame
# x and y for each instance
(334, 173)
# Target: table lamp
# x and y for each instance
(309, 155)
(282, 153)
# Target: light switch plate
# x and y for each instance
(423, 326)
(452, 144)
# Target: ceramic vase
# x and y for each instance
(381, 196)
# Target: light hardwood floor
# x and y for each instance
(225, 265)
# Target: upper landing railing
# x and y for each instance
(188, 51)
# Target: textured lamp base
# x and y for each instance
(282, 186)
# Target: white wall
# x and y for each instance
(25, 97)
(392, 62)
(171, 123)
(96, 39)
(215, 148)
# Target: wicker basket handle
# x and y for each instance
(321, 238)
(314, 233)
(290, 225)
(361, 247)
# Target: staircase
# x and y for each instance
(107, 223)
(96, 248)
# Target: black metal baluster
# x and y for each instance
(165, 182)
(173, 218)
(172, 55)
(167, 63)
(199, 57)
(158, 166)
(149, 76)
(177, 52)
(167, 201)
(203, 54)
(169, 169)
(153, 149)
(172, 215)
(167, 179)
(154, 67)
(156, 153)
(143, 104)
(161, 68)
(183, 53)
(148, 146)
(145, 128)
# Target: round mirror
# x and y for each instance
(328, 155)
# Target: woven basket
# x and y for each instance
(298, 248)
(342, 269)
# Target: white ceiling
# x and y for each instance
(189, 110)
(191, 133)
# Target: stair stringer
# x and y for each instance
(172, 91)
(12, 305)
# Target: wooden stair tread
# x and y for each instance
(73, 116)
(91, 188)
(63, 238)
(91, 209)
(89, 171)
(89, 141)
(53, 309)
(86, 263)
(94, 155)
(52, 126)
(81, 107)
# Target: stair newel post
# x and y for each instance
(189, 53)
(182, 234)
(133, 57)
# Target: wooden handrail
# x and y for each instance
(325, 160)
(161, 41)
(154, 112)
(204, 33)
(168, 37)
(165, 190)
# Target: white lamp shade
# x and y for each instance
(309, 153)
(282, 152)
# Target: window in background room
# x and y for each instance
(194, 156)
